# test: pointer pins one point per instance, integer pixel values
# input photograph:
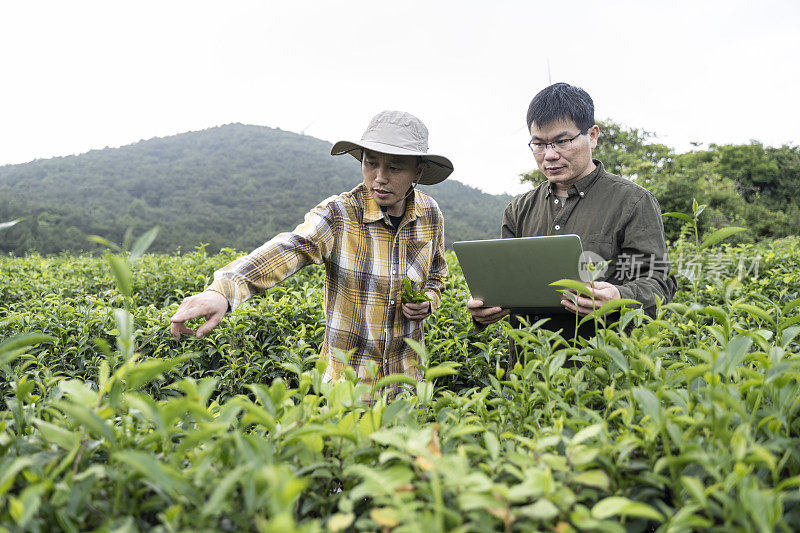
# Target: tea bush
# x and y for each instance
(685, 421)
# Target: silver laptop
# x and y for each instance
(516, 273)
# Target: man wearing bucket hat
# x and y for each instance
(369, 239)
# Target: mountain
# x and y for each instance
(230, 186)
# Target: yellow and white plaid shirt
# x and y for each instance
(366, 260)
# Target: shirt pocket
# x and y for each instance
(418, 260)
(601, 244)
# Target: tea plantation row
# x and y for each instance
(683, 422)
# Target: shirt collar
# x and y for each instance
(582, 186)
(373, 213)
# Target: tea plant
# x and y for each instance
(684, 421)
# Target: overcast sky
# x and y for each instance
(83, 75)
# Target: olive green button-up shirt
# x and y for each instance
(616, 219)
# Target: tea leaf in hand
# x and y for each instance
(410, 293)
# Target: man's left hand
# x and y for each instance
(603, 292)
(417, 311)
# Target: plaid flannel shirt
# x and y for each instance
(366, 260)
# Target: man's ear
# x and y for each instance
(594, 134)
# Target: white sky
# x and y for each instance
(80, 75)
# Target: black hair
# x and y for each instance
(420, 160)
(561, 101)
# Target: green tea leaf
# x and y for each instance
(681, 216)
(492, 444)
(441, 370)
(734, 354)
(146, 371)
(788, 335)
(694, 487)
(10, 470)
(216, 502)
(608, 307)
(104, 242)
(593, 478)
(15, 346)
(578, 286)
(543, 510)
(720, 234)
(162, 476)
(58, 435)
(411, 294)
(391, 379)
(648, 403)
(618, 506)
(142, 244)
(122, 274)
(754, 311)
(587, 433)
(791, 305)
(419, 348)
(88, 419)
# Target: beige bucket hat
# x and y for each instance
(399, 133)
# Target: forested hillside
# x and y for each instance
(237, 186)
(231, 186)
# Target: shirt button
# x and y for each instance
(391, 302)
(581, 194)
(558, 227)
(555, 201)
(394, 272)
(385, 360)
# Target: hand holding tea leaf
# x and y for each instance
(416, 304)
(410, 293)
(599, 293)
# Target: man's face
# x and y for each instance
(565, 165)
(388, 178)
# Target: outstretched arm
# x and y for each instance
(266, 266)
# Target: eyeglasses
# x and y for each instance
(560, 146)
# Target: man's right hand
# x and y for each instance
(485, 315)
(209, 304)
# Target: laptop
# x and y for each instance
(516, 273)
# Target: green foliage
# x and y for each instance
(741, 185)
(411, 294)
(628, 152)
(686, 421)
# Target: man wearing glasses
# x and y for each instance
(615, 218)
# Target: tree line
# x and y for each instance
(236, 186)
(748, 185)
